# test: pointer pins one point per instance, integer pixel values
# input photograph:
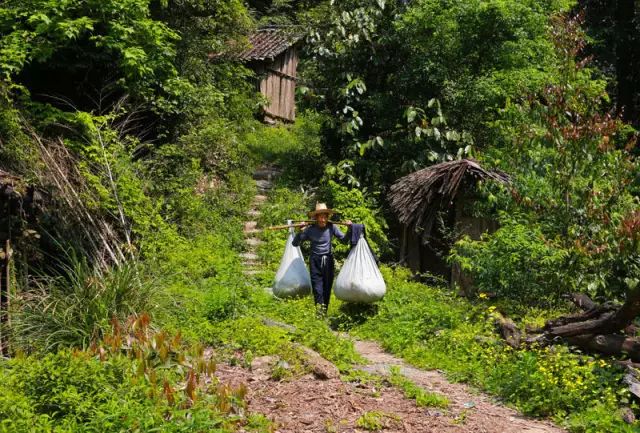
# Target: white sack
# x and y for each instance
(360, 279)
(292, 278)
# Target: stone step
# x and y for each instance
(259, 199)
(264, 185)
(248, 257)
(250, 225)
(253, 242)
(251, 232)
(253, 213)
(251, 272)
(265, 173)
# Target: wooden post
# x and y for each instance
(5, 286)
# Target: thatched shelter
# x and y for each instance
(441, 191)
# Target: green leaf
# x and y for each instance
(452, 136)
(411, 114)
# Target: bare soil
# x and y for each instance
(306, 404)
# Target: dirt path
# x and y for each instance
(309, 405)
(481, 414)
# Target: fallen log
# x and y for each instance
(599, 328)
(612, 344)
(582, 301)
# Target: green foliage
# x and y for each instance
(16, 149)
(375, 420)
(570, 221)
(216, 145)
(259, 423)
(431, 328)
(65, 389)
(351, 204)
(475, 55)
(77, 306)
(221, 303)
(472, 57)
(516, 262)
(420, 395)
(250, 332)
(371, 421)
(294, 148)
(599, 418)
(572, 176)
(553, 381)
(203, 278)
(117, 33)
(128, 382)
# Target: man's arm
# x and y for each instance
(299, 237)
(344, 238)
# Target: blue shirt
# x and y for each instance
(320, 238)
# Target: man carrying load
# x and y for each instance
(321, 262)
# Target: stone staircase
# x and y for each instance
(263, 176)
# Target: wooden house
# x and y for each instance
(274, 57)
(432, 205)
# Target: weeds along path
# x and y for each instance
(385, 394)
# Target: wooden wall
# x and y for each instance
(428, 257)
(279, 86)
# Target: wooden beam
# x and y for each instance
(282, 74)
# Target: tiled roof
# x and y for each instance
(268, 43)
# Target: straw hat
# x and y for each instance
(320, 208)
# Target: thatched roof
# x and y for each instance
(269, 42)
(417, 197)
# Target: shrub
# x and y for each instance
(296, 148)
(71, 309)
(371, 421)
(221, 303)
(131, 381)
(516, 262)
(351, 203)
(70, 390)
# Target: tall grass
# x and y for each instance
(77, 304)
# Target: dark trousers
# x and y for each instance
(322, 272)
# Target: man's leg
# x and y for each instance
(315, 268)
(327, 281)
